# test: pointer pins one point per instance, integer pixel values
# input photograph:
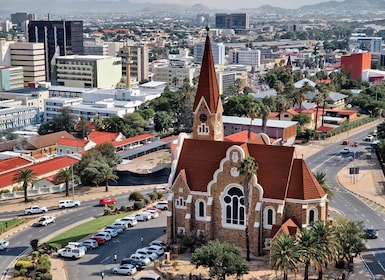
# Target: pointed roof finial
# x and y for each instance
(207, 28)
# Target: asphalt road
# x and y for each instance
(330, 161)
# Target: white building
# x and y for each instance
(245, 56)
(371, 44)
(15, 116)
(30, 56)
(175, 71)
(11, 78)
(87, 71)
(218, 50)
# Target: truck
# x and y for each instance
(46, 220)
(73, 253)
(35, 209)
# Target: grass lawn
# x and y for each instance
(81, 231)
(8, 224)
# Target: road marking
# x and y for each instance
(106, 258)
(378, 206)
(381, 265)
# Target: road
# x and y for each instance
(330, 161)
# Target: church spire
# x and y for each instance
(208, 85)
(207, 107)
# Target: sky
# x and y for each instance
(231, 4)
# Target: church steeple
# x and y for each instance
(207, 107)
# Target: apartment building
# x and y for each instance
(135, 57)
(218, 51)
(237, 21)
(363, 43)
(11, 78)
(246, 56)
(31, 57)
(87, 71)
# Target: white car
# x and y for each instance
(73, 253)
(113, 232)
(90, 244)
(115, 227)
(155, 249)
(77, 245)
(162, 205)
(143, 216)
(159, 243)
(45, 221)
(68, 204)
(122, 225)
(151, 255)
(142, 258)
(345, 151)
(4, 244)
(130, 221)
(125, 269)
(103, 234)
(154, 213)
(35, 209)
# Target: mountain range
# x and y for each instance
(126, 6)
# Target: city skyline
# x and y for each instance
(229, 4)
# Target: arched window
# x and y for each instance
(234, 207)
(200, 209)
(312, 215)
(268, 217)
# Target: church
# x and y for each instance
(207, 193)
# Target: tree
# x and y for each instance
(282, 105)
(162, 121)
(264, 112)
(65, 175)
(248, 169)
(222, 259)
(318, 100)
(321, 178)
(107, 173)
(64, 121)
(285, 254)
(302, 119)
(324, 91)
(27, 177)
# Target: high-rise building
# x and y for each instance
(352, 65)
(238, 21)
(218, 50)
(11, 78)
(245, 56)
(370, 44)
(136, 58)
(31, 57)
(59, 38)
(19, 19)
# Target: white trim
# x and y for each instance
(202, 100)
(304, 206)
(258, 206)
(265, 217)
(210, 200)
(169, 214)
(256, 224)
(174, 163)
(197, 217)
(280, 209)
(272, 200)
(223, 207)
(301, 201)
(187, 216)
(189, 198)
(316, 214)
(208, 218)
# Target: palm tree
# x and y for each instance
(25, 176)
(281, 104)
(321, 178)
(248, 169)
(264, 112)
(107, 173)
(65, 175)
(252, 116)
(324, 91)
(318, 100)
(285, 254)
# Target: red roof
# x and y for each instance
(208, 85)
(11, 163)
(72, 142)
(133, 139)
(289, 228)
(39, 169)
(243, 136)
(100, 137)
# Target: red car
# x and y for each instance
(107, 200)
(98, 239)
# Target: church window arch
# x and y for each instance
(312, 215)
(233, 207)
(268, 217)
(200, 209)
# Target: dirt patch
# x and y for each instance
(148, 163)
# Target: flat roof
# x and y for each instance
(257, 122)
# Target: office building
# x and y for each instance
(245, 56)
(20, 19)
(136, 58)
(218, 50)
(59, 38)
(352, 65)
(11, 78)
(87, 71)
(237, 21)
(363, 43)
(31, 57)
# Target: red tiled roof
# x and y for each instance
(100, 137)
(292, 111)
(273, 115)
(72, 142)
(302, 176)
(39, 169)
(242, 136)
(11, 163)
(133, 139)
(289, 228)
(208, 85)
(324, 128)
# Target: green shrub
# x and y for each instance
(34, 244)
(55, 246)
(138, 205)
(43, 276)
(24, 264)
(153, 196)
(160, 195)
(136, 196)
(123, 208)
(35, 254)
(146, 201)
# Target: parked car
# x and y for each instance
(137, 263)
(345, 151)
(103, 234)
(77, 245)
(68, 204)
(142, 258)
(73, 253)
(122, 225)
(163, 205)
(155, 249)
(159, 243)
(4, 244)
(98, 239)
(45, 221)
(346, 142)
(90, 243)
(150, 277)
(113, 232)
(161, 189)
(115, 227)
(130, 221)
(370, 233)
(156, 209)
(35, 209)
(143, 251)
(107, 201)
(143, 216)
(125, 269)
(154, 214)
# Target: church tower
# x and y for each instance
(207, 107)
